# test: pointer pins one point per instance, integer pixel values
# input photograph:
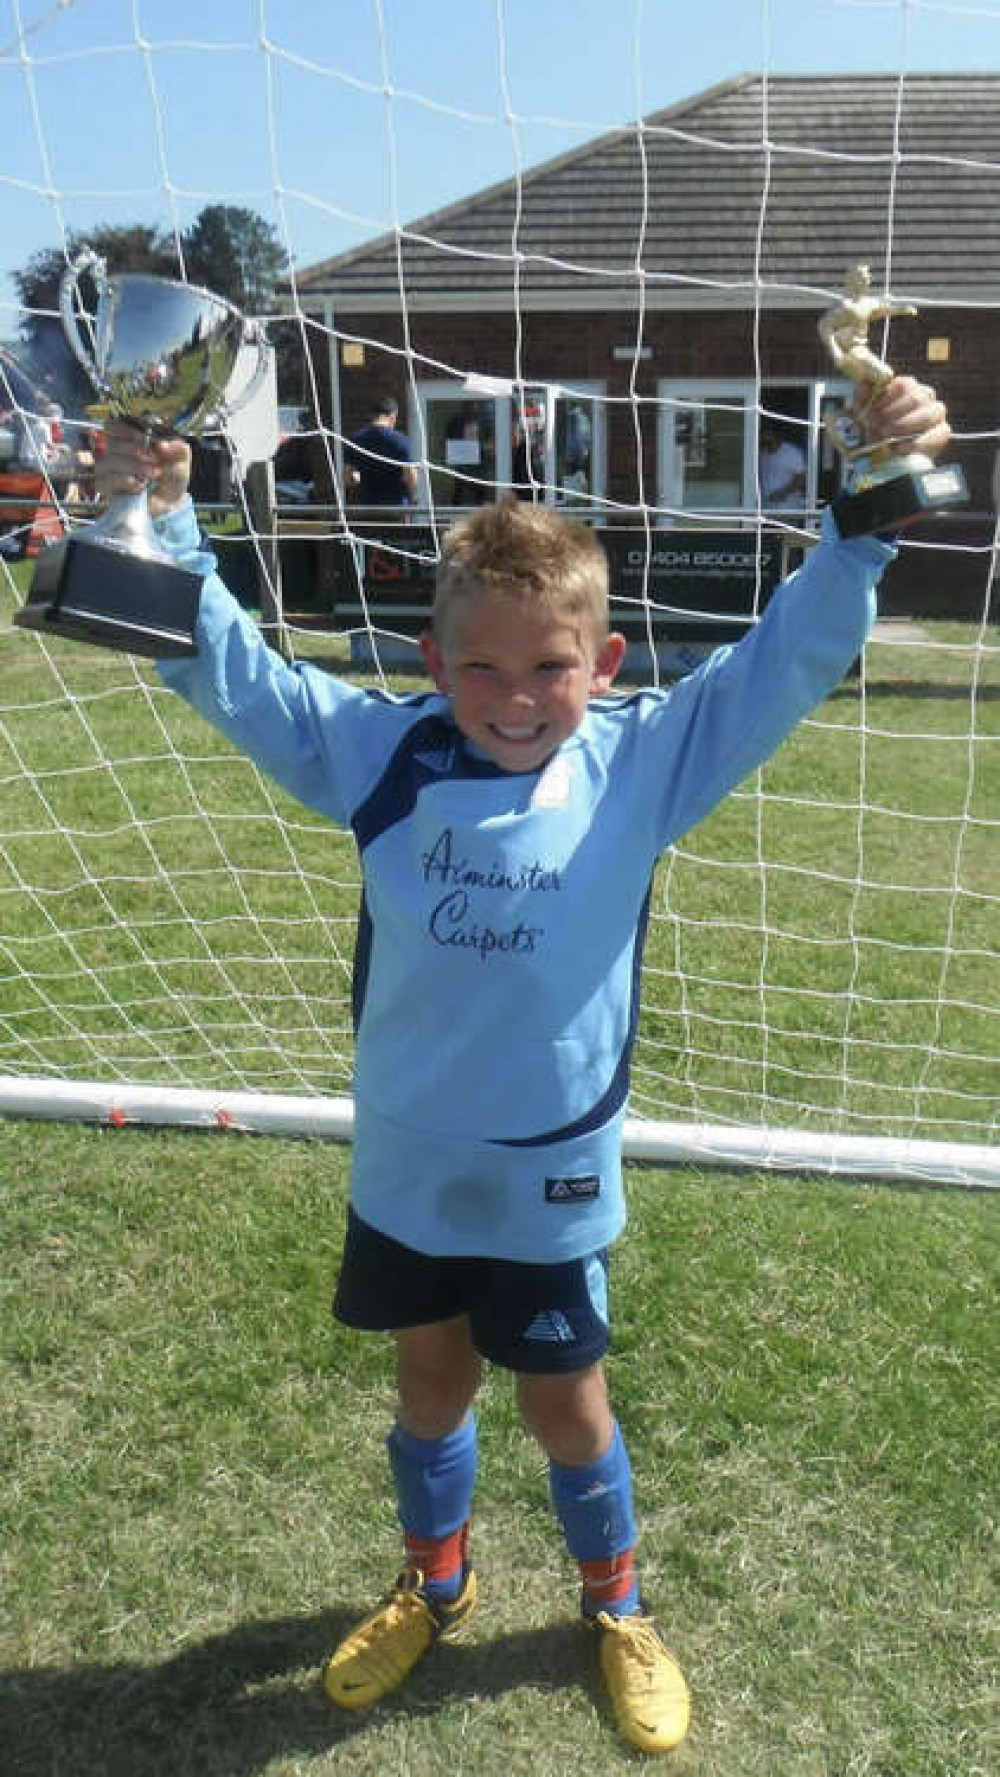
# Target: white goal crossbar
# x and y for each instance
(973, 1165)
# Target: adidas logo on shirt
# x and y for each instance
(438, 759)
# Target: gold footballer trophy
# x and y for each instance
(162, 355)
(883, 491)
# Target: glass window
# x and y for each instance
(529, 432)
(575, 445)
(731, 447)
(711, 436)
(565, 442)
(783, 439)
(830, 475)
(546, 445)
(461, 448)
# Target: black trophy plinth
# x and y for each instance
(899, 499)
(91, 590)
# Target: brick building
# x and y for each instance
(607, 331)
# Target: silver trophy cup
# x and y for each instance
(162, 355)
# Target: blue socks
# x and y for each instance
(434, 1478)
(594, 1507)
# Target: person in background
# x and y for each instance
(468, 445)
(378, 460)
(782, 470)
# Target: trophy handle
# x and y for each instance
(69, 287)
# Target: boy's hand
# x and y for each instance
(130, 461)
(909, 416)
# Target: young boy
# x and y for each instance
(508, 825)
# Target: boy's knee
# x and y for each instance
(569, 1416)
(438, 1373)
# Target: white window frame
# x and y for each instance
(505, 397)
(746, 392)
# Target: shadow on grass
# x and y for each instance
(229, 1705)
(929, 689)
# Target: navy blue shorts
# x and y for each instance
(536, 1319)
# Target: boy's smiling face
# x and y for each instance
(519, 677)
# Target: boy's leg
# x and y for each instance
(591, 1485)
(437, 1375)
(590, 1479)
(432, 1453)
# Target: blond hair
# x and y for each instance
(528, 552)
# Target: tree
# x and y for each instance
(43, 353)
(134, 248)
(229, 250)
(235, 253)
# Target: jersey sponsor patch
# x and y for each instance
(582, 1189)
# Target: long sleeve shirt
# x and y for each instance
(503, 914)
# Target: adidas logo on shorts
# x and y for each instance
(551, 1328)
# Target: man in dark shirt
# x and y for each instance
(379, 467)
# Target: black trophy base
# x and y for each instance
(91, 591)
(900, 500)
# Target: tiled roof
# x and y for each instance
(783, 181)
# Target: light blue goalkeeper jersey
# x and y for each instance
(503, 914)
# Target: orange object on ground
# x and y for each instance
(35, 509)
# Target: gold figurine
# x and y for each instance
(884, 490)
(844, 331)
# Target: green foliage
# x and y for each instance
(133, 248)
(230, 250)
(235, 253)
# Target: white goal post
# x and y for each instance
(821, 984)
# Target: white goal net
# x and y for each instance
(822, 971)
